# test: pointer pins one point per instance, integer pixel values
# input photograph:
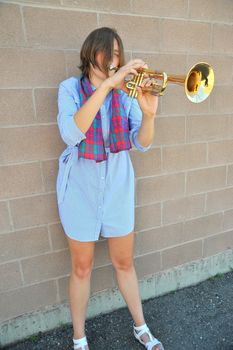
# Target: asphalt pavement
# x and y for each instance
(195, 317)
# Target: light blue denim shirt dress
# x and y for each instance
(95, 198)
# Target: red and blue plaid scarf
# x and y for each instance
(93, 146)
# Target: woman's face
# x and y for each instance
(116, 60)
(115, 63)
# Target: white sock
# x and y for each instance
(78, 340)
(138, 328)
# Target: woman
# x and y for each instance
(95, 185)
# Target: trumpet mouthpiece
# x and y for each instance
(112, 67)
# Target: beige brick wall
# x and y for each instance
(184, 183)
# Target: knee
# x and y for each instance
(82, 269)
(123, 264)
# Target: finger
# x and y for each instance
(132, 70)
(129, 73)
(149, 83)
(146, 79)
(134, 65)
(145, 82)
(137, 65)
(139, 90)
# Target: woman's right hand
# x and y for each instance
(117, 80)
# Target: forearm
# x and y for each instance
(146, 132)
(87, 112)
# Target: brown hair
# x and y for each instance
(100, 40)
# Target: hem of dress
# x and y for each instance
(122, 235)
(80, 240)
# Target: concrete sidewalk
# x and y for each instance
(196, 317)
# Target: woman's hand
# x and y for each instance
(147, 102)
(117, 80)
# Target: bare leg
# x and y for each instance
(79, 284)
(121, 253)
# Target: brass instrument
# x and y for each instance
(198, 83)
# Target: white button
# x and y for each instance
(102, 177)
(99, 206)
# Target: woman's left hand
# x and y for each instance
(147, 102)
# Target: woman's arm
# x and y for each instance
(148, 104)
(146, 132)
(135, 125)
(85, 115)
(74, 120)
(87, 112)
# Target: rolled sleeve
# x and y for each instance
(67, 107)
(135, 120)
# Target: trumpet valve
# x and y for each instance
(132, 84)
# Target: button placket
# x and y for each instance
(102, 184)
(103, 112)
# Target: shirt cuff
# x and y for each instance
(72, 135)
(137, 144)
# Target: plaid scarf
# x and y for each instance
(93, 146)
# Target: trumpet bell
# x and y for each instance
(199, 82)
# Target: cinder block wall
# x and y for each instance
(184, 183)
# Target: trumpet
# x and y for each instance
(198, 83)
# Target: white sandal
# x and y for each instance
(138, 331)
(80, 343)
